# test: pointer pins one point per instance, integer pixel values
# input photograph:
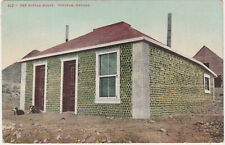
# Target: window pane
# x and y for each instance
(112, 88)
(108, 87)
(112, 63)
(104, 87)
(206, 83)
(104, 64)
(108, 64)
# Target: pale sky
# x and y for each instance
(194, 23)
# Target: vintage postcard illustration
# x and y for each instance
(109, 71)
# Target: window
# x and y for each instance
(207, 83)
(107, 76)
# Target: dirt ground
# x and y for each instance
(69, 128)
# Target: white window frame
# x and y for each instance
(63, 59)
(114, 100)
(207, 76)
(34, 75)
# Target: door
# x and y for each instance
(69, 86)
(39, 87)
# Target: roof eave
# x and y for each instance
(143, 38)
(83, 49)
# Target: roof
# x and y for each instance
(105, 34)
(109, 35)
(205, 55)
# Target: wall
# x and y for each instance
(53, 83)
(176, 84)
(29, 84)
(86, 84)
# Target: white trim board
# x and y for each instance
(143, 38)
(45, 89)
(83, 48)
(63, 59)
(113, 100)
(23, 86)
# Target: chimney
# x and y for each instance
(169, 30)
(67, 33)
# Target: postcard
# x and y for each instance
(109, 71)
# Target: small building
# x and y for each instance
(215, 63)
(117, 71)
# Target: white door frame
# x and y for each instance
(63, 59)
(34, 75)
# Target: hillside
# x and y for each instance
(11, 84)
(12, 73)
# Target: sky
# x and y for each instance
(194, 23)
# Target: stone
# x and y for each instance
(21, 125)
(152, 121)
(18, 135)
(14, 125)
(12, 140)
(104, 140)
(14, 133)
(67, 137)
(111, 118)
(83, 130)
(58, 137)
(35, 141)
(45, 140)
(162, 130)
